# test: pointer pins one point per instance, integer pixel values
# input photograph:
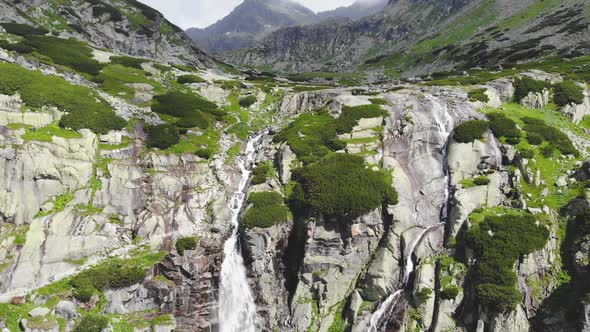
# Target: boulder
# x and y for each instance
(39, 312)
(67, 310)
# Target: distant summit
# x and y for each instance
(249, 22)
(253, 20)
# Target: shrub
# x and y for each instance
(92, 323)
(115, 274)
(248, 101)
(351, 115)
(524, 85)
(547, 151)
(554, 136)
(68, 52)
(204, 153)
(267, 210)
(23, 29)
(424, 294)
(449, 292)
(192, 120)
(527, 153)
(478, 95)
(481, 181)
(162, 136)
(340, 185)
(186, 243)
(568, 92)
(498, 241)
(185, 106)
(128, 61)
(261, 173)
(188, 79)
(534, 138)
(311, 137)
(503, 126)
(469, 131)
(85, 108)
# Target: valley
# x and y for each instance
(435, 181)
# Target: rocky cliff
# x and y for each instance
(420, 37)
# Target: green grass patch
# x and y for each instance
(190, 79)
(478, 95)
(186, 243)
(47, 133)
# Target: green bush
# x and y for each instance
(187, 107)
(248, 101)
(524, 85)
(267, 210)
(341, 185)
(23, 29)
(186, 243)
(481, 181)
(547, 151)
(534, 138)
(351, 115)
(92, 323)
(192, 120)
(162, 136)
(115, 274)
(261, 173)
(469, 131)
(68, 52)
(554, 136)
(527, 153)
(498, 241)
(85, 108)
(567, 92)
(189, 79)
(310, 136)
(449, 292)
(503, 126)
(128, 61)
(204, 153)
(478, 95)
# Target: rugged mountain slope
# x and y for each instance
(415, 37)
(357, 10)
(249, 22)
(458, 204)
(127, 27)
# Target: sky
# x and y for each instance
(202, 13)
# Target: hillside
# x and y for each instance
(169, 192)
(417, 37)
(128, 27)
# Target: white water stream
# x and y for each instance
(237, 310)
(445, 124)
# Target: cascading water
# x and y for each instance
(237, 310)
(445, 124)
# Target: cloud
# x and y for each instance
(202, 13)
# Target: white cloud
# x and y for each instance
(202, 13)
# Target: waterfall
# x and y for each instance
(385, 310)
(445, 124)
(237, 310)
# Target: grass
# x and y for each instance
(461, 28)
(192, 143)
(551, 168)
(86, 109)
(116, 77)
(59, 204)
(47, 133)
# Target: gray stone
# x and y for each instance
(67, 310)
(39, 311)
